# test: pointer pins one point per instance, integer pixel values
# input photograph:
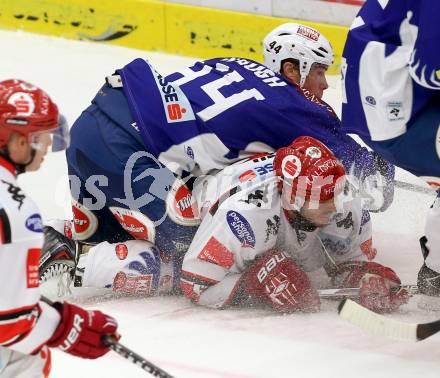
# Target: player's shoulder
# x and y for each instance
(261, 76)
(20, 217)
(246, 192)
(350, 221)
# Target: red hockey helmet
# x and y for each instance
(310, 169)
(27, 110)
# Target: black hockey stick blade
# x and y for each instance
(138, 360)
(426, 330)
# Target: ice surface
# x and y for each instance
(194, 342)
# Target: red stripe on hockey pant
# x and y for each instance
(45, 354)
(10, 333)
(16, 312)
(189, 292)
(193, 277)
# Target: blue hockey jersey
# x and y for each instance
(391, 66)
(213, 113)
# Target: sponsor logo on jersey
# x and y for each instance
(32, 262)
(121, 251)
(247, 176)
(34, 223)
(241, 228)
(308, 33)
(176, 105)
(256, 171)
(216, 253)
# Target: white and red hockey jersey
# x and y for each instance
(243, 217)
(26, 323)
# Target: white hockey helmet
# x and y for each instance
(296, 41)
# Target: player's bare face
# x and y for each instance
(320, 214)
(316, 81)
(20, 150)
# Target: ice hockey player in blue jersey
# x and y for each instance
(193, 122)
(391, 95)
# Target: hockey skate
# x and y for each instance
(58, 260)
(428, 282)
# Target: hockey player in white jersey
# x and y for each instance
(391, 99)
(221, 257)
(29, 124)
(268, 221)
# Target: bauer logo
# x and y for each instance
(34, 223)
(241, 228)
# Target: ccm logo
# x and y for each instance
(270, 264)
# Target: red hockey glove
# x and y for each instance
(80, 331)
(379, 285)
(278, 281)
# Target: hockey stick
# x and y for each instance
(414, 187)
(353, 292)
(380, 325)
(123, 351)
